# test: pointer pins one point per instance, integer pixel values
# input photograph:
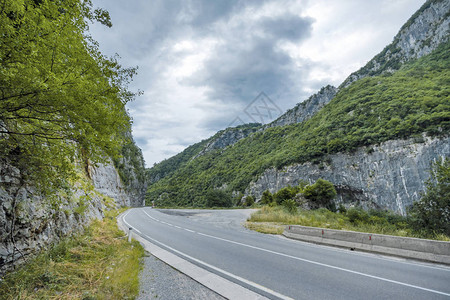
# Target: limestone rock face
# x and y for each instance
(424, 32)
(301, 112)
(389, 176)
(227, 138)
(107, 181)
(306, 109)
(30, 222)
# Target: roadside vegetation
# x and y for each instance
(272, 220)
(99, 264)
(428, 218)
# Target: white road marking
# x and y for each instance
(370, 255)
(129, 226)
(312, 262)
(248, 282)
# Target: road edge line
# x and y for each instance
(214, 282)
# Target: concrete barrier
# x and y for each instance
(427, 250)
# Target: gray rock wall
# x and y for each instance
(301, 112)
(423, 33)
(107, 181)
(391, 177)
(306, 109)
(227, 138)
(30, 222)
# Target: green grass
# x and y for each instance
(99, 264)
(265, 227)
(379, 222)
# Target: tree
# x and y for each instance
(285, 193)
(322, 192)
(60, 98)
(266, 197)
(290, 205)
(249, 200)
(432, 211)
(218, 198)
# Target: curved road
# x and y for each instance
(279, 268)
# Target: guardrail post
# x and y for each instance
(129, 234)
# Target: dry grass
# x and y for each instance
(265, 227)
(278, 216)
(100, 264)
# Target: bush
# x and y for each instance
(218, 198)
(284, 194)
(249, 201)
(321, 193)
(342, 209)
(237, 199)
(290, 205)
(432, 212)
(267, 197)
(357, 215)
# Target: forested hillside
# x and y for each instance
(218, 141)
(408, 103)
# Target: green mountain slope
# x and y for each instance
(407, 103)
(168, 166)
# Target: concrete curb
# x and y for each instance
(220, 285)
(421, 249)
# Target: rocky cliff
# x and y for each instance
(228, 137)
(389, 176)
(306, 109)
(423, 33)
(301, 112)
(30, 221)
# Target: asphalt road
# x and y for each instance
(279, 268)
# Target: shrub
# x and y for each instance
(322, 192)
(301, 185)
(249, 201)
(290, 205)
(432, 212)
(237, 199)
(267, 197)
(357, 215)
(218, 198)
(342, 209)
(284, 194)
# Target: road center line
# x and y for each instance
(248, 282)
(313, 262)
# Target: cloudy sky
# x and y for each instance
(203, 62)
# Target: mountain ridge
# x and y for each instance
(364, 100)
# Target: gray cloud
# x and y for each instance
(245, 65)
(289, 27)
(232, 51)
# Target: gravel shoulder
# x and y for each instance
(160, 281)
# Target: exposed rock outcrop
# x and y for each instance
(31, 221)
(306, 109)
(228, 137)
(423, 33)
(301, 112)
(389, 176)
